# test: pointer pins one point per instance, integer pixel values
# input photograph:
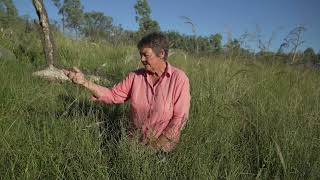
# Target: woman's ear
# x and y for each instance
(162, 53)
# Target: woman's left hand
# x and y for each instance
(161, 143)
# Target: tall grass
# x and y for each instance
(247, 121)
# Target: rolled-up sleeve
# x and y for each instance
(119, 93)
(180, 110)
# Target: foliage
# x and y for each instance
(310, 56)
(215, 42)
(143, 18)
(73, 13)
(96, 24)
(8, 8)
(294, 40)
(8, 13)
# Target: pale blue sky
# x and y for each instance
(275, 17)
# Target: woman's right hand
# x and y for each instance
(75, 75)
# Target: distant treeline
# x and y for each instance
(98, 27)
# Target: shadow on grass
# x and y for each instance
(110, 119)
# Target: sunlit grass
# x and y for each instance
(247, 121)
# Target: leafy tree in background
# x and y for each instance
(73, 12)
(294, 40)
(193, 40)
(8, 8)
(233, 46)
(8, 12)
(96, 24)
(58, 4)
(202, 44)
(310, 56)
(215, 42)
(176, 40)
(143, 12)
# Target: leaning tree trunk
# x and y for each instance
(48, 42)
(51, 73)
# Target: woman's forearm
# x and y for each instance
(93, 88)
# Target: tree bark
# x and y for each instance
(48, 43)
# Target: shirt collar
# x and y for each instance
(168, 70)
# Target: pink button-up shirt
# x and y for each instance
(157, 109)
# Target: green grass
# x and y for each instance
(247, 121)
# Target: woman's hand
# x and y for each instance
(161, 144)
(75, 75)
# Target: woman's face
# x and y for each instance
(149, 59)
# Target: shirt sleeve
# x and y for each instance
(180, 110)
(119, 93)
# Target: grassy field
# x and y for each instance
(247, 121)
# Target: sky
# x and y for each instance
(270, 18)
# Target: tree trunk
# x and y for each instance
(295, 48)
(48, 43)
(294, 55)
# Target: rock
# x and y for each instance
(52, 74)
(7, 54)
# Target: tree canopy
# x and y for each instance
(143, 17)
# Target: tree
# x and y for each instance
(309, 55)
(143, 12)
(47, 36)
(73, 13)
(58, 4)
(96, 24)
(8, 8)
(203, 44)
(8, 11)
(215, 42)
(51, 73)
(233, 45)
(294, 40)
(175, 39)
(187, 20)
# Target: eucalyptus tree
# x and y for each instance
(143, 17)
(8, 8)
(96, 24)
(72, 10)
(215, 42)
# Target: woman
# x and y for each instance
(159, 94)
